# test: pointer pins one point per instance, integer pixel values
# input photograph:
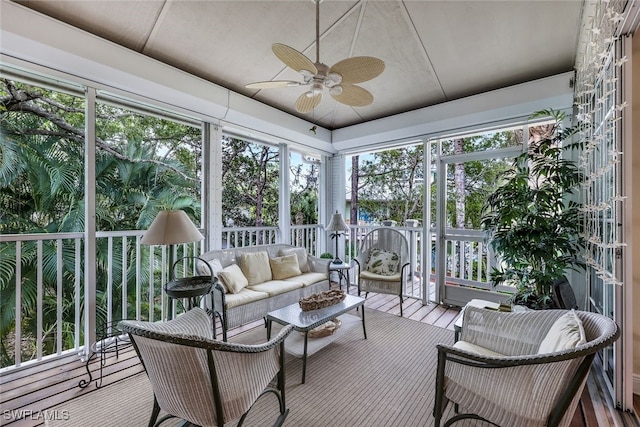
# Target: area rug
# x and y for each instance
(385, 380)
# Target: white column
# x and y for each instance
(284, 201)
(90, 221)
(212, 185)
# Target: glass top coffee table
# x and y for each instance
(304, 321)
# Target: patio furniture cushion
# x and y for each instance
(380, 277)
(382, 262)
(233, 279)
(284, 267)
(276, 287)
(307, 279)
(474, 348)
(245, 296)
(203, 270)
(566, 333)
(255, 266)
(301, 254)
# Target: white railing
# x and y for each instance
(48, 277)
(306, 236)
(47, 274)
(238, 237)
(468, 260)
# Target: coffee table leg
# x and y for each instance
(364, 329)
(304, 357)
(268, 329)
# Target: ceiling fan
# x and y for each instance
(338, 80)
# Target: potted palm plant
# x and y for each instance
(532, 220)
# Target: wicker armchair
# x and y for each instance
(389, 282)
(514, 385)
(201, 380)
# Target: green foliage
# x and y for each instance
(531, 220)
(326, 255)
(250, 177)
(143, 164)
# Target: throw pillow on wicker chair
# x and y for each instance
(384, 263)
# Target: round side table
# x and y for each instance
(190, 288)
(343, 270)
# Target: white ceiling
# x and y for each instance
(434, 51)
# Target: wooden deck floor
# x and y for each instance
(28, 393)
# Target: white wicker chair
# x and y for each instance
(522, 388)
(201, 380)
(390, 240)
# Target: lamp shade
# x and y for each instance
(337, 223)
(170, 228)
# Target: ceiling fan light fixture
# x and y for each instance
(316, 89)
(334, 78)
(339, 79)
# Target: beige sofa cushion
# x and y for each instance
(307, 279)
(284, 267)
(233, 279)
(245, 296)
(301, 254)
(276, 287)
(255, 266)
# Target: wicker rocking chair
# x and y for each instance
(203, 381)
(499, 374)
(390, 276)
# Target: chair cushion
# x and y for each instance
(245, 296)
(301, 254)
(255, 266)
(284, 267)
(307, 279)
(382, 262)
(566, 333)
(233, 279)
(476, 349)
(276, 287)
(367, 275)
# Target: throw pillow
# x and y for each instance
(255, 266)
(284, 267)
(382, 262)
(301, 253)
(203, 270)
(233, 279)
(566, 333)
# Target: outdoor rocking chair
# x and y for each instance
(383, 262)
(519, 369)
(204, 381)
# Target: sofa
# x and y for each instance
(257, 279)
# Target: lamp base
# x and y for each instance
(337, 261)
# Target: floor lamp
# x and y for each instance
(337, 225)
(171, 228)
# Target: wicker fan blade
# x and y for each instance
(358, 69)
(354, 96)
(293, 59)
(273, 84)
(305, 103)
